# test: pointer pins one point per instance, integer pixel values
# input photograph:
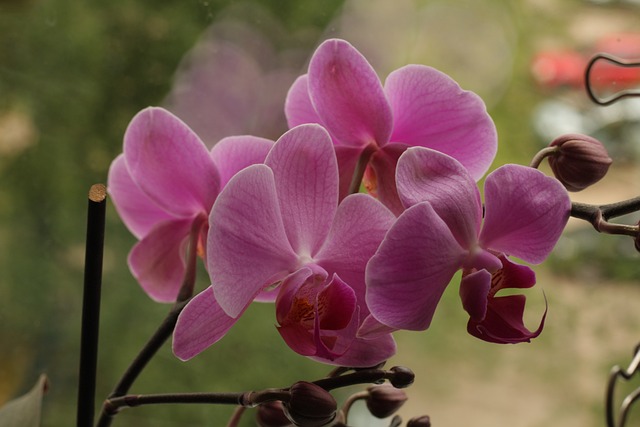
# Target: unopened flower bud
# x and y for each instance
(402, 378)
(271, 414)
(422, 421)
(310, 405)
(385, 400)
(580, 161)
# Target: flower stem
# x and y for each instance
(598, 216)
(349, 403)
(163, 332)
(361, 167)
(541, 155)
(91, 304)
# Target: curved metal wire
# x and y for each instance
(614, 60)
(630, 399)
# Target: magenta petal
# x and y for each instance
(139, 213)
(525, 212)
(512, 275)
(360, 224)
(363, 353)
(381, 176)
(411, 269)
(503, 323)
(298, 338)
(347, 157)
(298, 107)
(431, 110)
(371, 328)
(247, 247)
(306, 178)
(201, 324)
(336, 305)
(170, 163)
(157, 261)
(348, 96)
(434, 177)
(474, 289)
(234, 153)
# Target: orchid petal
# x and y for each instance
(157, 261)
(247, 247)
(348, 96)
(431, 110)
(234, 153)
(298, 107)
(503, 323)
(382, 170)
(434, 177)
(201, 324)
(526, 212)
(306, 178)
(364, 353)
(411, 269)
(170, 164)
(371, 328)
(474, 289)
(336, 305)
(139, 213)
(512, 275)
(359, 226)
(348, 158)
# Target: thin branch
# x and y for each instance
(163, 332)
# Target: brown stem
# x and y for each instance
(541, 155)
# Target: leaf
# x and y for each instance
(24, 411)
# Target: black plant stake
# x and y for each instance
(91, 304)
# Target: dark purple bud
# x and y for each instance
(385, 400)
(402, 377)
(423, 421)
(271, 414)
(579, 162)
(310, 405)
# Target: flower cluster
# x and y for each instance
(285, 221)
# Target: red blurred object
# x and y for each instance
(565, 68)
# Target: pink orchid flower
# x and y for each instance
(277, 231)
(443, 231)
(372, 125)
(163, 187)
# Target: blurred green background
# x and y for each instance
(72, 75)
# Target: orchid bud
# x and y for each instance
(384, 400)
(402, 378)
(422, 421)
(271, 414)
(579, 162)
(310, 405)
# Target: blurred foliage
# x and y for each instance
(72, 74)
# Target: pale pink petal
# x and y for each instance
(360, 224)
(247, 247)
(474, 289)
(170, 164)
(431, 110)
(234, 153)
(428, 175)
(201, 324)
(525, 212)
(139, 213)
(348, 96)
(306, 178)
(380, 179)
(158, 260)
(411, 269)
(298, 107)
